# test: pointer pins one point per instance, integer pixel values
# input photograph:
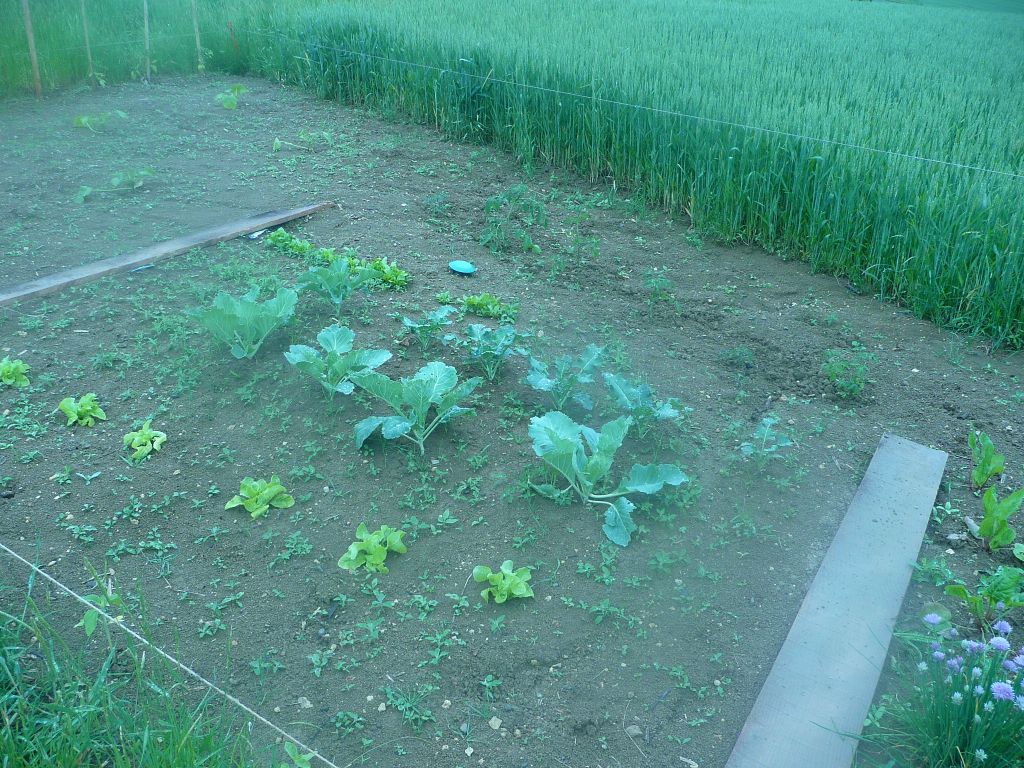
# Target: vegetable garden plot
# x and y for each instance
(709, 373)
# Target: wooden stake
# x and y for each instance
(85, 32)
(195, 28)
(145, 34)
(27, 14)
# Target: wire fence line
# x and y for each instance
(655, 110)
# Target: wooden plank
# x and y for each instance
(153, 253)
(823, 680)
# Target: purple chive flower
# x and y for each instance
(999, 644)
(1019, 702)
(952, 634)
(922, 666)
(1002, 691)
(933, 619)
(1019, 659)
(972, 646)
(1009, 666)
(955, 664)
(990, 706)
(959, 697)
(979, 691)
(1002, 627)
(975, 673)
(938, 655)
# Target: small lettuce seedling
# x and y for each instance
(229, 98)
(638, 401)
(489, 348)
(986, 462)
(489, 305)
(144, 441)
(563, 377)
(388, 274)
(434, 387)
(503, 583)
(370, 550)
(427, 329)
(86, 411)
(244, 323)
(13, 373)
(338, 280)
(339, 362)
(584, 457)
(258, 496)
(995, 529)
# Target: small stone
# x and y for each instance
(469, 751)
(446, 704)
(634, 730)
(382, 707)
(517, 733)
(304, 703)
(495, 723)
(689, 763)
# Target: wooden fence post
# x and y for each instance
(85, 32)
(145, 35)
(195, 28)
(27, 14)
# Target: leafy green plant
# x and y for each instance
(767, 442)
(229, 98)
(508, 217)
(13, 373)
(335, 367)
(489, 348)
(388, 274)
(490, 306)
(144, 441)
(92, 122)
(244, 323)
(434, 387)
(563, 377)
(995, 530)
(427, 329)
(109, 602)
(986, 461)
(298, 759)
(505, 583)
(1002, 590)
(122, 181)
(258, 496)
(584, 457)
(370, 549)
(639, 402)
(847, 370)
(338, 280)
(86, 411)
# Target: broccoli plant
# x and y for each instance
(370, 549)
(638, 401)
(435, 387)
(489, 348)
(562, 378)
(584, 457)
(244, 323)
(338, 280)
(504, 583)
(335, 367)
(86, 411)
(258, 496)
(427, 330)
(144, 441)
(986, 461)
(13, 373)
(767, 442)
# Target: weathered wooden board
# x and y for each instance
(823, 680)
(151, 254)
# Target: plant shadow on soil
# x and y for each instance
(635, 656)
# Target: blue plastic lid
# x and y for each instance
(462, 267)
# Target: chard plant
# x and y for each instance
(14, 373)
(640, 403)
(584, 457)
(229, 98)
(504, 583)
(244, 323)
(85, 411)
(144, 441)
(370, 549)
(986, 461)
(999, 592)
(434, 388)
(335, 366)
(258, 496)
(337, 281)
(563, 378)
(428, 329)
(995, 530)
(489, 348)
(490, 306)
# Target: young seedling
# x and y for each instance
(144, 441)
(86, 411)
(584, 457)
(121, 181)
(505, 583)
(562, 379)
(92, 122)
(258, 496)
(370, 549)
(338, 280)
(229, 98)
(848, 370)
(986, 462)
(106, 603)
(490, 306)
(14, 373)
(767, 442)
(489, 348)
(640, 403)
(244, 323)
(428, 329)
(339, 362)
(298, 759)
(434, 387)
